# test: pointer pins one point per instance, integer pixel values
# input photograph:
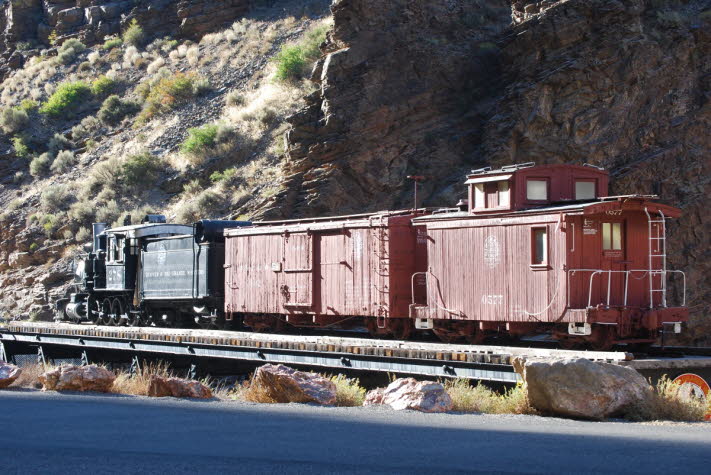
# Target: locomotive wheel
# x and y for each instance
(135, 319)
(116, 312)
(105, 314)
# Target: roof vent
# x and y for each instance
(154, 218)
(482, 170)
(518, 165)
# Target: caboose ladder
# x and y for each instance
(657, 232)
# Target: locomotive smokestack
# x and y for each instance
(97, 228)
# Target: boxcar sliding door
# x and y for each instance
(297, 287)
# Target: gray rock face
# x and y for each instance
(580, 388)
(408, 393)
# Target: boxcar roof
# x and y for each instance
(334, 222)
(609, 203)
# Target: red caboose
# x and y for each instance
(324, 272)
(545, 248)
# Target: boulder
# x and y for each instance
(578, 387)
(8, 374)
(78, 378)
(20, 260)
(408, 393)
(177, 387)
(284, 384)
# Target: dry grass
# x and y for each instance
(669, 402)
(138, 383)
(478, 398)
(349, 392)
(29, 378)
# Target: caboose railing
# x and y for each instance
(606, 291)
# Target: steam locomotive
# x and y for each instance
(533, 249)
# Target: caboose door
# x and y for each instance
(613, 260)
(297, 287)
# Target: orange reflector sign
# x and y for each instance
(695, 386)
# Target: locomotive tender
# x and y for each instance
(538, 249)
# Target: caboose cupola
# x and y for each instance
(526, 185)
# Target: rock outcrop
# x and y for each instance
(177, 387)
(283, 384)
(32, 22)
(580, 388)
(8, 374)
(408, 393)
(434, 88)
(78, 378)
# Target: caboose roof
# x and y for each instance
(510, 170)
(608, 203)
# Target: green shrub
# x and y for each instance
(69, 50)
(50, 223)
(199, 139)
(64, 161)
(102, 86)
(166, 94)
(109, 212)
(57, 143)
(13, 120)
(134, 34)
(28, 105)
(81, 212)
(234, 98)
(114, 109)
(226, 175)
(111, 43)
(294, 61)
(21, 149)
(193, 187)
(66, 98)
(139, 171)
(84, 67)
(40, 165)
(85, 128)
(34, 246)
(54, 198)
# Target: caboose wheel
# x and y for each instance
(602, 337)
(400, 328)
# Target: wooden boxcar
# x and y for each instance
(544, 248)
(324, 272)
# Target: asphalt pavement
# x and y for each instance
(91, 434)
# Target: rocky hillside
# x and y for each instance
(401, 87)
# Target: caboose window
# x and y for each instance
(584, 190)
(537, 190)
(539, 246)
(504, 199)
(479, 196)
(611, 236)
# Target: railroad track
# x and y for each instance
(320, 352)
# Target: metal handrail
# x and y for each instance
(609, 272)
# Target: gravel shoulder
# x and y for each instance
(126, 434)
